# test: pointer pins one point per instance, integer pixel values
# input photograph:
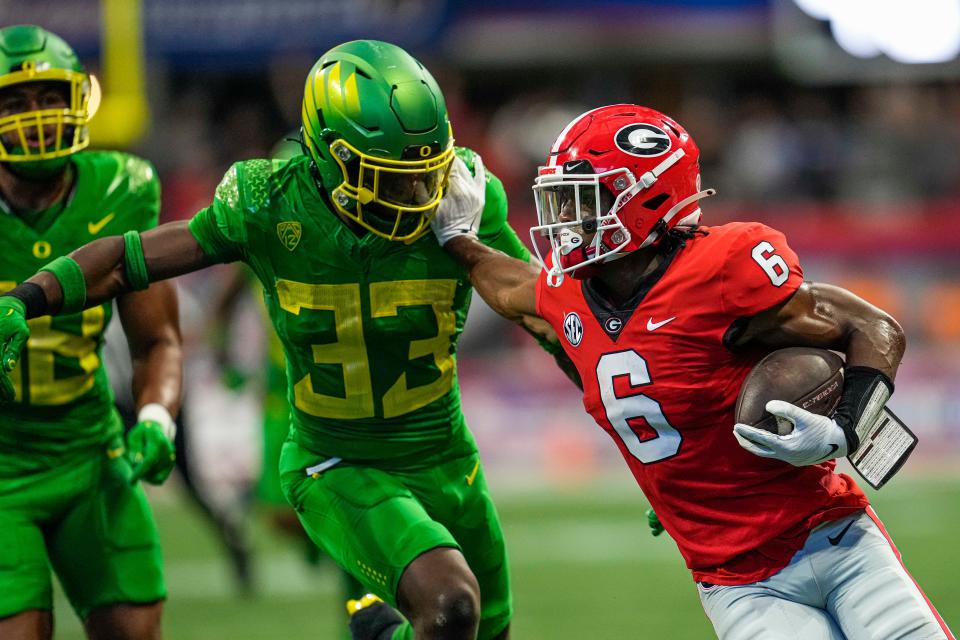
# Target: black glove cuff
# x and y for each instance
(33, 298)
(859, 384)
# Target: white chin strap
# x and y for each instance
(555, 277)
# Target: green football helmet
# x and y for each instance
(31, 54)
(375, 123)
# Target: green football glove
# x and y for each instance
(150, 450)
(654, 522)
(14, 333)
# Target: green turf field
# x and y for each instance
(583, 563)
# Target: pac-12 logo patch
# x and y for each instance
(644, 140)
(573, 328)
(289, 234)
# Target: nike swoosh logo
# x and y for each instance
(95, 227)
(653, 326)
(473, 474)
(835, 540)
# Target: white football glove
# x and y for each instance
(814, 438)
(461, 206)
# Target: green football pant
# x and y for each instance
(374, 522)
(83, 519)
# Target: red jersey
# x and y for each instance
(659, 379)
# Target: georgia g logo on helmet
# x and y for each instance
(644, 140)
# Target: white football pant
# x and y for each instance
(847, 582)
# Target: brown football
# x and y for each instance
(809, 378)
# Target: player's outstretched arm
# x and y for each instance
(826, 316)
(151, 323)
(91, 275)
(508, 285)
(113, 266)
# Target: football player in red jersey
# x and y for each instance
(664, 318)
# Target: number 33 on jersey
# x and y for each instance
(368, 325)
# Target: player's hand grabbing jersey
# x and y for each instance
(369, 326)
(660, 380)
(63, 400)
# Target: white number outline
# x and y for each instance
(770, 263)
(619, 410)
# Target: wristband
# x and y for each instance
(156, 412)
(33, 298)
(134, 264)
(72, 283)
(865, 393)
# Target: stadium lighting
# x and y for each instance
(853, 29)
(819, 9)
(927, 31)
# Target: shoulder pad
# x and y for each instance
(255, 180)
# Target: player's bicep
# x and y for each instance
(817, 315)
(172, 250)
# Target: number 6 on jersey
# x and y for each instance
(620, 411)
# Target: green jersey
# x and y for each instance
(63, 400)
(369, 326)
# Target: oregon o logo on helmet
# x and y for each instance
(573, 328)
(644, 140)
(425, 151)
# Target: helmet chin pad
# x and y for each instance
(38, 170)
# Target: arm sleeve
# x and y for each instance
(220, 229)
(760, 270)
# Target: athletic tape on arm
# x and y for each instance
(134, 264)
(68, 273)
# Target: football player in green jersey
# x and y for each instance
(69, 495)
(379, 463)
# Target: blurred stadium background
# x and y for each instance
(837, 122)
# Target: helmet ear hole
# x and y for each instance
(672, 128)
(654, 203)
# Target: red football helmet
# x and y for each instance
(623, 174)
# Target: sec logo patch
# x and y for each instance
(573, 328)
